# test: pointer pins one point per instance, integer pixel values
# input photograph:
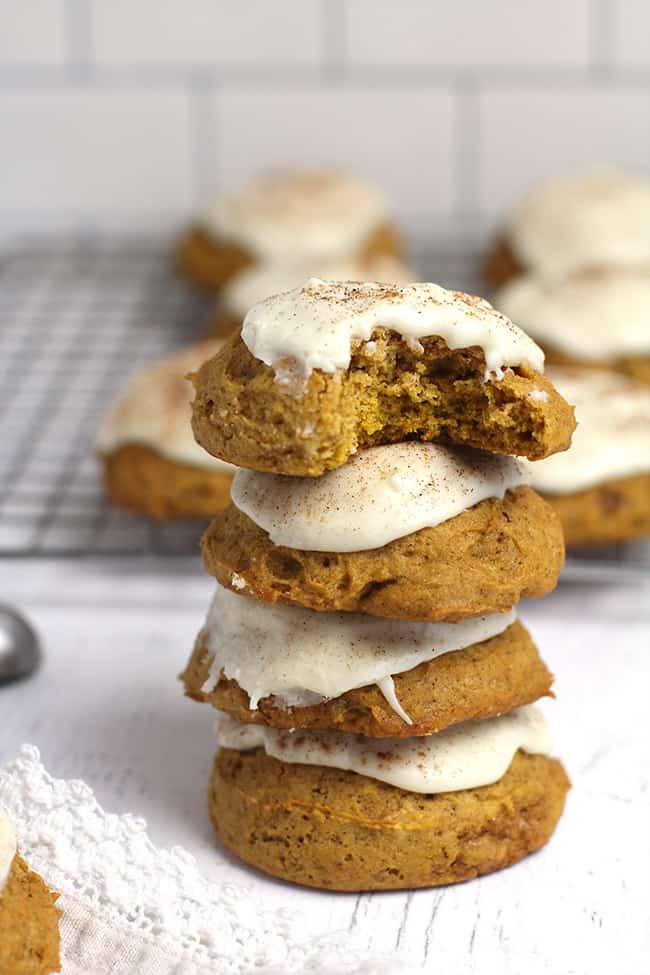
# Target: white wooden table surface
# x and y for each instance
(106, 708)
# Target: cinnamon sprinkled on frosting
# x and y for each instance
(381, 494)
(316, 326)
(292, 217)
(255, 283)
(465, 756)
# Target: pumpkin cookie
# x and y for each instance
(591, 319)
(288, 218)
(500, 265)
(326, 369)
(410, 531)
(152, 464)
(478, 680)
(584, 220)
(600, 488)
(261, 280)
(29, 920)
(422, 812)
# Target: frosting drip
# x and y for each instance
(590, 315)
(380, 494)
(465, 756)
(292, 216)
(7, 847)
(316, 326)
(302, 657)
(261, 280)
(583, 220)
(155, 409)
(612, 438)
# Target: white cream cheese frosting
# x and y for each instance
(612, 439)
(155, 410)
(598, 314)
(380, 494)
(300, 216)
(8, 847)
(302, 657)
(257, 282)
(465, 756)
(589, 219)
(315, 326)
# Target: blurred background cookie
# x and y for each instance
(288, 218)
(597, 318)
(151, 462)
(600, 486)
(597, 218)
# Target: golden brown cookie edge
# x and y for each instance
(143, 481)
(616, 510)
(480, 681)
(336, 830)
(481, 561)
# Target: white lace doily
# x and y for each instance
(131, 909)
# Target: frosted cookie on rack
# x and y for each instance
(405, 531)
(324, 370)
(258, 282)
(288, 218)
(598, 218)
(293, 668)
(151, 463)
(598, 318)
(29, 919)
(600, 488)
(345, 812)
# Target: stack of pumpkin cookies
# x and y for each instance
(378, 729)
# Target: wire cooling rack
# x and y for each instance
(77, 318)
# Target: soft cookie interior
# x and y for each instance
(392, 391)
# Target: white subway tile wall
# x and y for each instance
(87, 154)
(205, 33)
(632, 34)
(32, 33)
(469, 33)
(132, 114)
(403, 138)
(587, 123)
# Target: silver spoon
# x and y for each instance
(20, 652)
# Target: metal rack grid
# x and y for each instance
(77, 317)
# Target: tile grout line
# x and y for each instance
(204, 140)
(82, 66)
(602, 21)
(466, 147)
(80, 60)
(333, 39)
